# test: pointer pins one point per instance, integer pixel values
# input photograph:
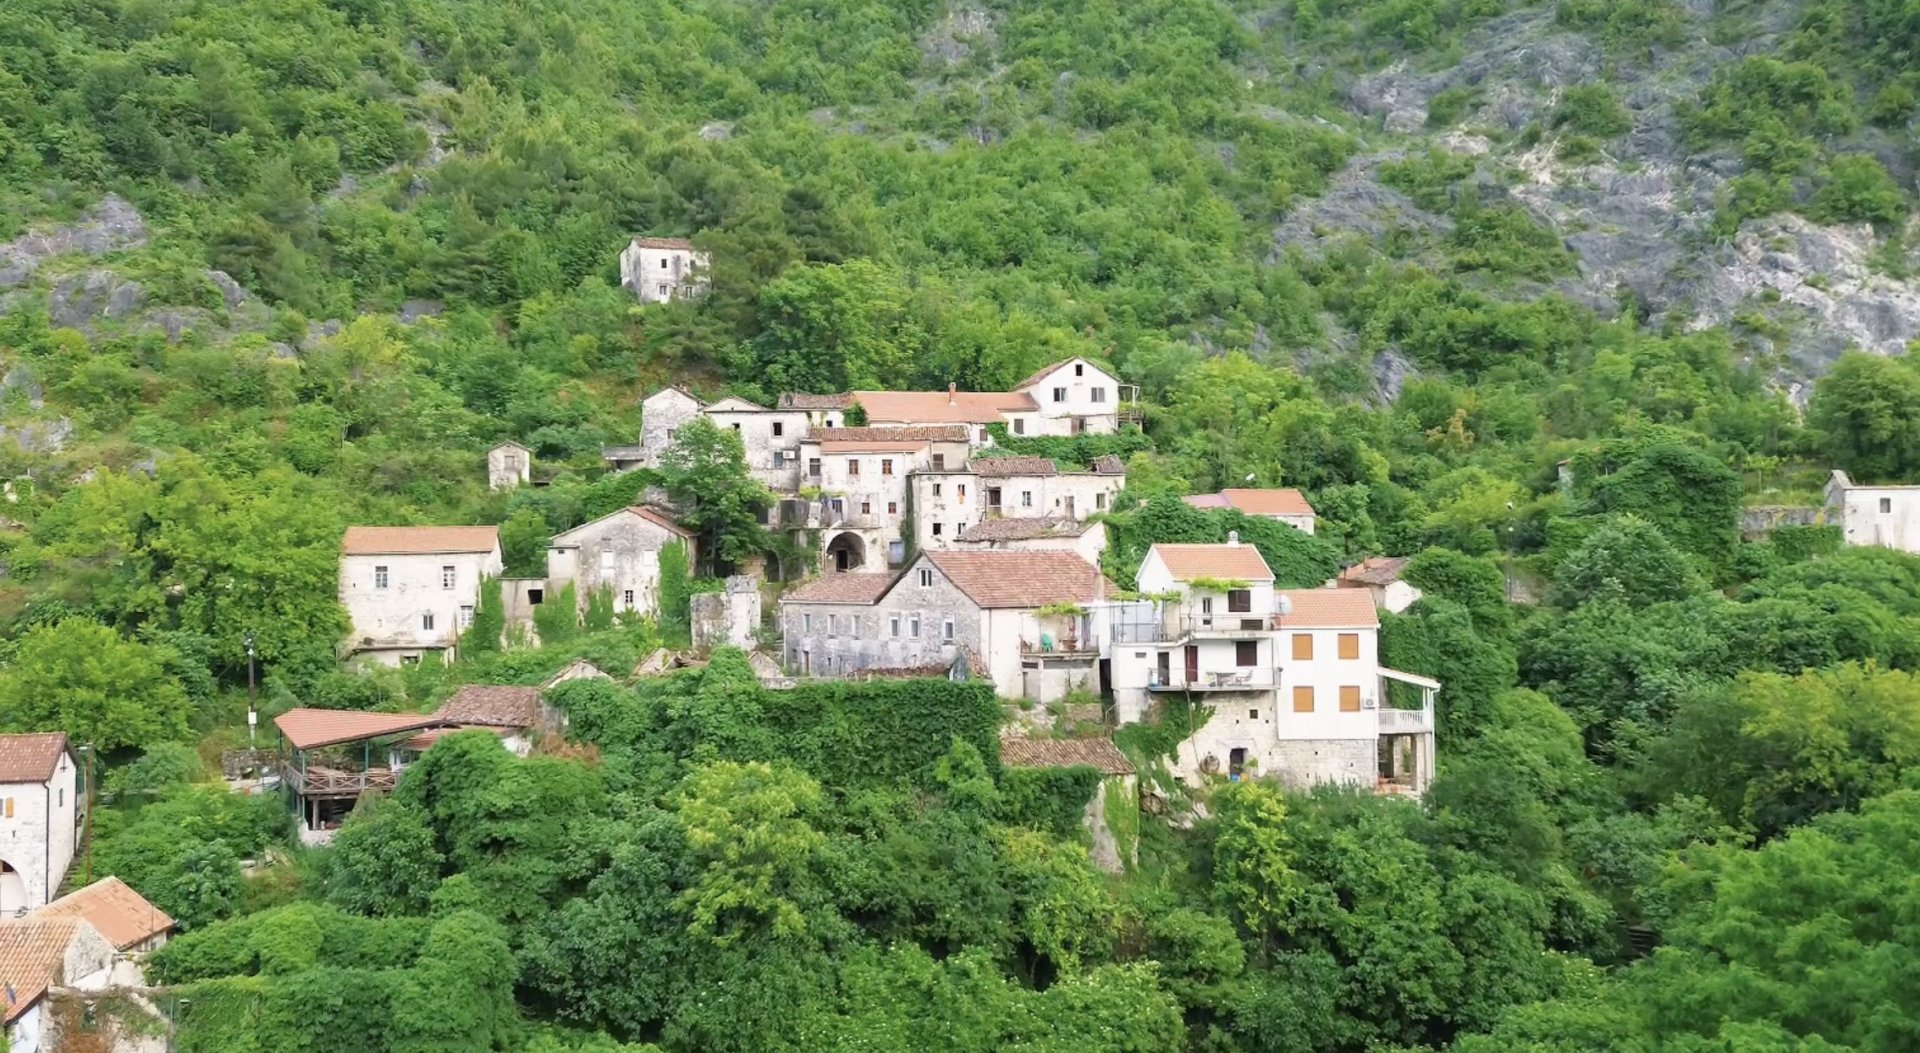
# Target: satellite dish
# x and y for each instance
(1283, 605)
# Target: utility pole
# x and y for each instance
(1509, 551)
(253, 717)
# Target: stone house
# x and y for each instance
(1887, 516)
(1284, 505)
(769, 437)
(1118, 793)
(657, 270)
(1380, 576)
(411, 590)
(947, 505)
(863, 480)
(1021, 613)
(618, 552)
(509, 464)
(40, 807)
(124, 917)
(823, 411)
(1086, 539)
(1292, 678)
(38, 957)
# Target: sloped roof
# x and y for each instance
(937, 407)
(800, 401)
(31, 758)
(1016, 752)
(1041, 373)
(111, 905)
(1002, 579)
(664, 243)
(1024, 529)
(841, 588)
(1279, 502)
(308, 729)
(33, 952)
(735, 404)
(492, 705)
(418, 540)
(1109, 464)
(578, 669)
(1226, 562)
(898, 433)
(872, 447)
(646, 512)
(1208, 501)
(1326, 609)
(1001, 467)
(506, 443)
(1378, 570)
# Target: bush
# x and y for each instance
(1858, 190)
(1591, 109)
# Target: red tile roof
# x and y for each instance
(1284, 502)
(937, 407)
(903, 433)
(1064, 753)
(1225, 562)
(872, 447)
(31, 758)
(659, 519)
(1326, 609)
(1380, 570)
(418, 540)
(308, 729)
(1000, 467)
(1109, 464)
(664, 243)
(492, 705)
(1024, 529)
(841, 588)
(110, 905)
(1013, 579)
(794, 400)
(33, 952)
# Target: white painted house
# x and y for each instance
(657, 270)
(1887, 516)
(619, 552)
(411, 590)
(39, 808)
(1076, 397)
(509, 464)
(1291, 679)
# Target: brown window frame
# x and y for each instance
(1303, 647)
(1349, 647)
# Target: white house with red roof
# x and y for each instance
(657, 270)
(410, 590)
(39, 809)
(1289, 680)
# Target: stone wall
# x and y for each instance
(846, 638)
(1759, 521)
(727, 619)
(1303, 762)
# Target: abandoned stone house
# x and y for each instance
(1287, 506)
(619, 553)
(1380, 576)
(1040, 534)
(1020, 615)
(509, 464)
(1887, 516)
(657, 270)
(410, 590)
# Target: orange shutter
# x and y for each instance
(1303, 647)
(1349, 645)
(1302, 698)
(1349, 700)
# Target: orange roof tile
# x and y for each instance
(903, 433)
(1003, 578)
(872, 447)
(308, 729)
(1064, 753)
(31, 758)
(418, 540)
(1379, 570)
(1326, 609)
(664, 243)
(942, 407)
(33, 953)
(1226, 562)
(801, 401)
(492, 705)
(1041, 373)
(660, 519)
(1001, 467)
(1285, 502)
(111, 905)
(841, 588)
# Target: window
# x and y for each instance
(1303, 647)
(1349, 646)
(1886, 505)
(626, 599)
(736, 427)
(813, 466)
(1206, 605)
(961, 491)
(1246, 653)
(779, 429)
(779, 459)
(1079, 369)
(853, 623)
(866, 508)
(893, 626)
(379, 577)
(606, 561)
(447, 577)
(946, 631)
(893, 508)
(1349, 699)
(466, 614)
(936, 530)
(1239, 601)
(663, 265)
(426, 622)
(983, 435)
(1099, 500)
(853, 466)
(1019, 425)
(833, 625)
(1098, 394)
(9, 807)
(536, 596)
(806, 623)
(1303, 700)
(936, 489)
(663, 285)
(60, 800)
(939, 465)
(1026, 499)
(926, 578)
(913, 626)
(1059, 394)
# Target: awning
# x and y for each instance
(1410, 678)
(308, 729)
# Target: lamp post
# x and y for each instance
(253, 718)
(86, 830)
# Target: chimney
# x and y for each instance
(1233, 537)
(950, 391)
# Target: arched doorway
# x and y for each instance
(13, 891)
(846, 552)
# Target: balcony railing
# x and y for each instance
(1246, 679)
(1406, 721)
(321, 781)
(1175, 625)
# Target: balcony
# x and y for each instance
(321, 781)
(1173, 626)
(1406, 721)
(1244, 679)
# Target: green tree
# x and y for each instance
(1627, 560)
(749, 829)
(1865, 415)
(82, 678)
(707, 481)
(383, 860)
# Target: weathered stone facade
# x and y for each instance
(912, 626)
(620, 553)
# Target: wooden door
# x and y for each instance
(1193, 663)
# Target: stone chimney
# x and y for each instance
(1233, 537)
(950, 392)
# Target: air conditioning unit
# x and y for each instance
(1369, 702)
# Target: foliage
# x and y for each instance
(1297, 559)
(1591, 109)
(160, 767)
(1050, 799)
(83, 679)
(557, 619)
(705, 475)
(489, 625)
(383, 860)
(1626, 560)
(1070, 452)
(1865, 414)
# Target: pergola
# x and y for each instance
(318, 789)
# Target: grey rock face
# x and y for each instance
(110, 225)
(79, 300)
(21, 379)
(414, 310)
(1391, 371)
(40, 436)
(177, 322)
(231, 291)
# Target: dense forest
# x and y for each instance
(269, 268)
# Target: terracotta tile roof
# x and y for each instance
(1226, 562)
(659, 519)
(492, 705)
(872, 447)
(796, 400)
(1326, 609)
(424, 741)
(566, 539)
(418, 540)
(1041, 373)
(1003, 579)
(110, 905)
(1018, 752)
(307, 729)
(840, 588)
(1109, 464)
(1001, 467)
(1283, 502)
(33, 952)
(1206, 500)
(508, 443)
(900, 433)
(1024, 529)
(664, 243)
(938, 407)
(31, 758)
(1379, 570)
